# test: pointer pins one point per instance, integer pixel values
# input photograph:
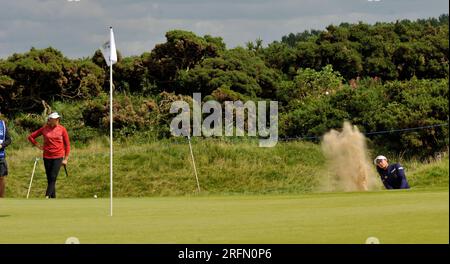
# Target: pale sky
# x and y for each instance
(78, 28)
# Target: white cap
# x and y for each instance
(380, 157)
(53, 115)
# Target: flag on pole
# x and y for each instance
(110, 54)
(109, 49)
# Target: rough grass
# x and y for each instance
(429, 175)
(164, 168)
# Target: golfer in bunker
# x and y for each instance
(393, 176)
(56, 149)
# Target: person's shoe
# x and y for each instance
(46, 197)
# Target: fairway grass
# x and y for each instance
(411, 216)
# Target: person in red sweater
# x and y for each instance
(56, 149)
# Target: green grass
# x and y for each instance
(409, 216)
(429, 175)
(164, 168)
(249, 195)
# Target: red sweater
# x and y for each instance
(56, 141)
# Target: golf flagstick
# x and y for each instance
(193, 162)
(32, 175)
(110, 54)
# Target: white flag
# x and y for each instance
(109, 50)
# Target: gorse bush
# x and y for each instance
(26, 80)
(29, 122)
(379, 107)
(132, 112)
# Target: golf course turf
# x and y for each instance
(409, 216)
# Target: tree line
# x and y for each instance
(380, 77)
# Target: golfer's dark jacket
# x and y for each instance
(393, 177)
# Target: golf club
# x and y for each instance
(65, 169)
(32, 175)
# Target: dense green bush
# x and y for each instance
(29, 122)
(309, 83)
(26, 80)
(237, 69)
(379, 107)
(182, 51)
(390, 51)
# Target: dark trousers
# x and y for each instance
(2, 186)
(52, 167)
(3, 174)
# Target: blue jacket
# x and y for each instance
(393, 177)
(4, 136)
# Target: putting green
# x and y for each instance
(391, 216)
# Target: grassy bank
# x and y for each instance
(164, 168)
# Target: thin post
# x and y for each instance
(111, 137)
(193, 163)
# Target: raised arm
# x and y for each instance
(32, 137)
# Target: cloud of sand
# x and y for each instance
(349, 168)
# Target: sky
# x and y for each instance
(79, 27)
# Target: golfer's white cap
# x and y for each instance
(53, 115)
(380, 157)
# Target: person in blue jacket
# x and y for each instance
(5, 140)
(393, 175)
